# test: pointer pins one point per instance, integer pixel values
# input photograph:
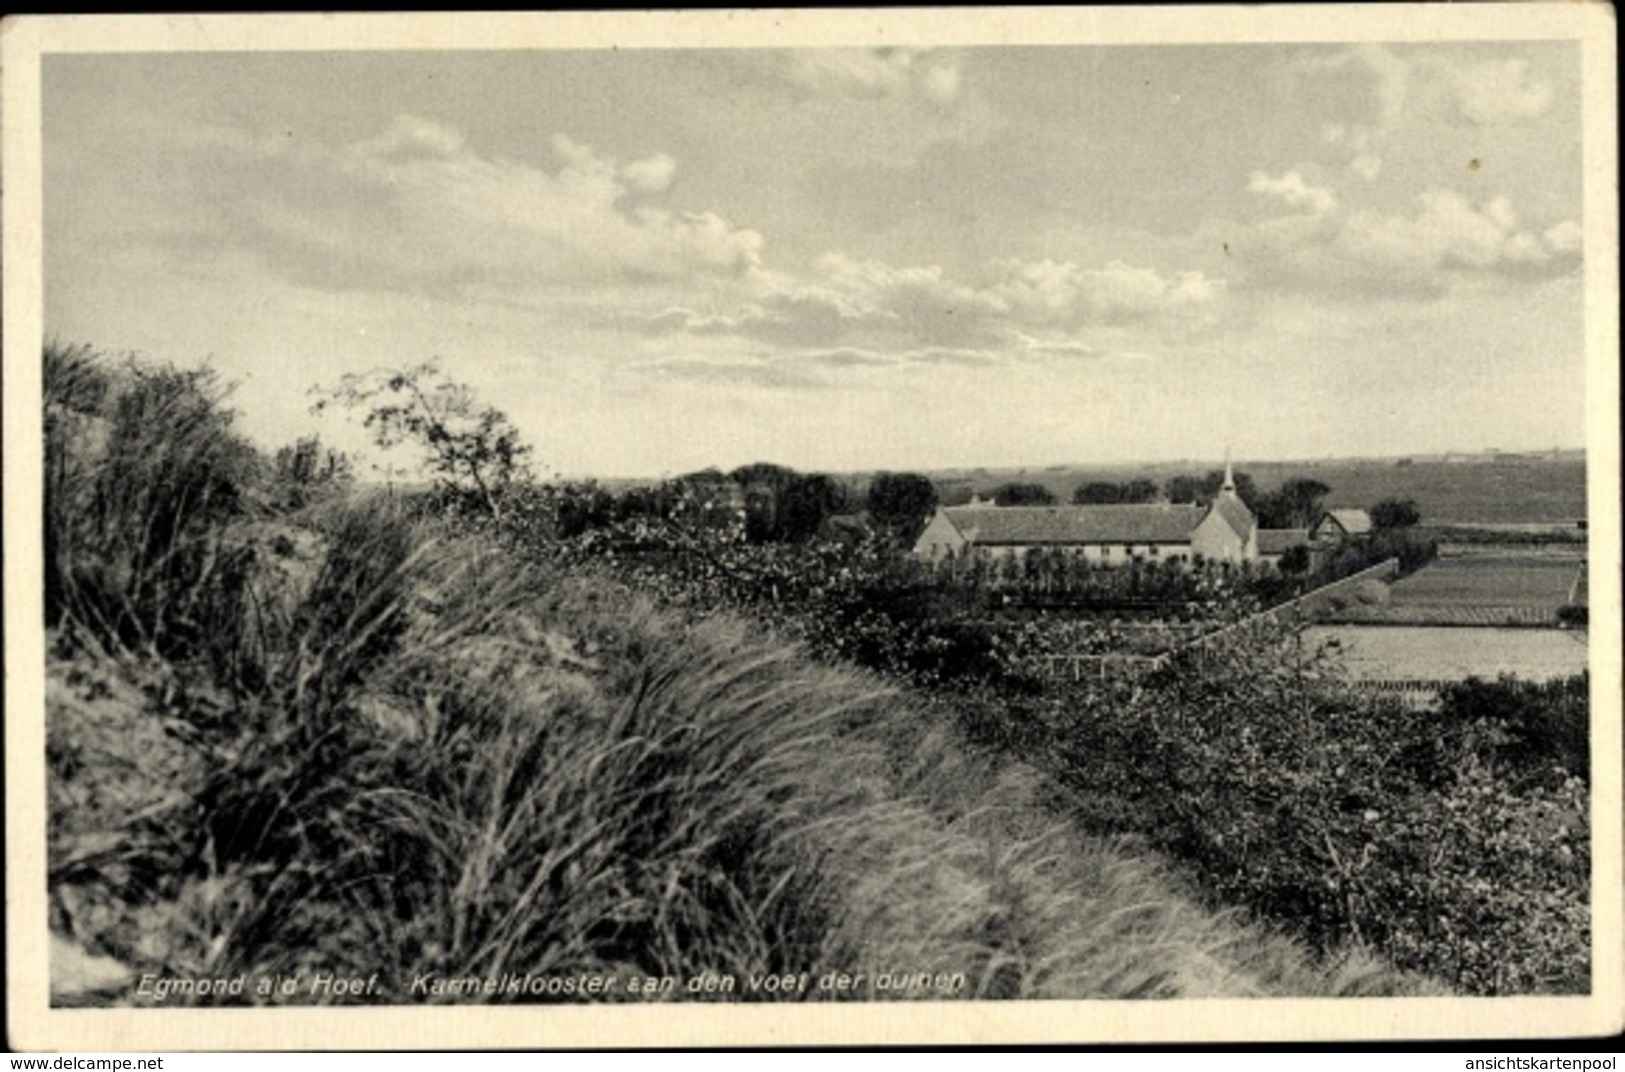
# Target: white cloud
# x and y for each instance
(1391, 82)
(865, 71)
(1366, 165)
(1447, 231)
(1565, 238)
(1012, 309)
(1496, 91)
(1423, 86)
(416, 208)
(1445, 239)
(875, 72)
(651, 175)
(1292, 189)
(1050, 292)
(941, 82)
(411, 135)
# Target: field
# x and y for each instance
(1441, 653)
(1482, 589)
(1490, 581)
(1546, 492)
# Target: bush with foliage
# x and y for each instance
(1395, 514)
(1574, 614)
(305, 471)
(1448, 839)
(1539, 729)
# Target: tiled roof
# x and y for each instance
(1118, 523)
(1354, 522)
(1280, 541)
(1234, 511)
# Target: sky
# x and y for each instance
(843, 259)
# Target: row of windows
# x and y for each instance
(1152, 550)
(1127, 550)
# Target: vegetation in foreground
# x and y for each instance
(294, 729)
(1453, 840)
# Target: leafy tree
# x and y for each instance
(1395, 514)
(900, 504)
(470, 449)
(1096, 492)
(1296, 504)
(1183, 489)
(1017, 494)
(707, 477)
(1140, 490)
(804, 504)
(763, 484)
(774, 476)
(1295, 560)
(579, 507)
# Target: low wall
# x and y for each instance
(1301, 609)
(1313, 603)
(1298, 610)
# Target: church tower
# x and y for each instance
(1228, 531)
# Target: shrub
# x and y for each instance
(1535, 730)
(305, 472)
(1452, 840)
(1574, 614)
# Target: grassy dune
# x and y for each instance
(348, 739)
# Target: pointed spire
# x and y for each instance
(1229, 477)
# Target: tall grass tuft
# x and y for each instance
(142, 471)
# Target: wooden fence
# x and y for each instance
(1077, 667)
(1420, 684)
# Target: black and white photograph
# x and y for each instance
(910, 525)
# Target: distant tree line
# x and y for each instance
(769, 503)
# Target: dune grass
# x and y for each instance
(375, 744)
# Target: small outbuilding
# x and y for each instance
(1337, 526)
(1273, 543)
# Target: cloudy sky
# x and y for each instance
(850, 259)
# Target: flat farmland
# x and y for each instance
(1479, 590)
(1444, 653)
(1490, 581)
(1484, 493)
(1535, 492)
